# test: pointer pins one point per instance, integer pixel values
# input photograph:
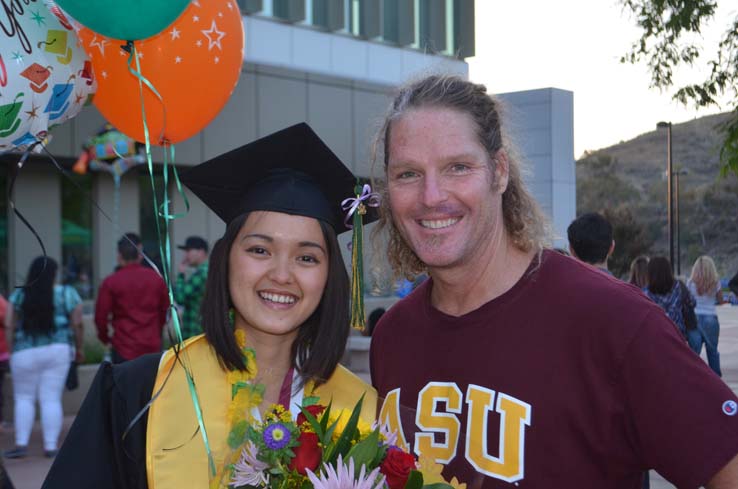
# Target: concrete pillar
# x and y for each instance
(105, 236)
(38, 197)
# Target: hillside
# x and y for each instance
(628, 182)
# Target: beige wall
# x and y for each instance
(105, 234)
(38, 198)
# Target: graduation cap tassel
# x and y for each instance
(357, 269)
(356, 209)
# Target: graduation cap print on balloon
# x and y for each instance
(294, 172)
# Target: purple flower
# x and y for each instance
(276, 436)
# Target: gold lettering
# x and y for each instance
(431, 421)
(389, 416)
(514, 417)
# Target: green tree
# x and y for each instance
(630, 236)
(665, 44)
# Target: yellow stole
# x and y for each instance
(175, 452)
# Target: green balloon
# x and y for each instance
(129, 20)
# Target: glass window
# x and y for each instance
(76, 232)
(4, 230)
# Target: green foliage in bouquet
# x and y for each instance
(324, 449)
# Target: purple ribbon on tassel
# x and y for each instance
(352, 204)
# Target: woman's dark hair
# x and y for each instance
(321, 339)
(37, 308)
(660, 278)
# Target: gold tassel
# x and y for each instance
(357, 267)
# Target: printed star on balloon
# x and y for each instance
(194, 83)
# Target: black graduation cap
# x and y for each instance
(290, 171)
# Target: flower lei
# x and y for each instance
(245, 395)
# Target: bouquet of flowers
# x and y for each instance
(328, 449)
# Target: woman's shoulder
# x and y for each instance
(344, 389)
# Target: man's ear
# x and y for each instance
(501, 171)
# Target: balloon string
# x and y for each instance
(94, 203)
(166, 255)
(11, 201)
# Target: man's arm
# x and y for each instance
(103, 307)
(727, 478)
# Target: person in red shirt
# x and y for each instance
(134, 301)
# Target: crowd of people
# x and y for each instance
(510, 362)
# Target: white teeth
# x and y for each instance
(439, 224)
(282, 299)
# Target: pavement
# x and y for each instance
(29, 472)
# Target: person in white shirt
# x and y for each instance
(704, 284)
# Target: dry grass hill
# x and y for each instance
(627, 181)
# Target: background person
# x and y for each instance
(639, 272)
(188, 290)
(704, 284)
(43, 322)
(590, 240)
(133, 301)
(669, 293)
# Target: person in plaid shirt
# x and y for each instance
(188, 292)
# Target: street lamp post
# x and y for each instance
(669, 193)
(677, 174)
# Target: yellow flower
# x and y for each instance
(342, 417)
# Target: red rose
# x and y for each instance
(307, 454)
(315, 410)
(396, 467)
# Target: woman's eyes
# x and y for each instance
(308, 259)
(258, 250)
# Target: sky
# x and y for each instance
(576, 45)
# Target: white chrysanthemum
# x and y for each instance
(249, 470)
(390, 437)
(342, 477)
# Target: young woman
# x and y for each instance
(43, 321)
(639, 272)
(668, 292)
(276, 319)
(704, 284)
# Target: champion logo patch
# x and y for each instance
(730, 408)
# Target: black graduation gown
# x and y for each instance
(94, 454)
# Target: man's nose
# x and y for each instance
(433, 191)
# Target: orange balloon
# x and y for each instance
(194, 65)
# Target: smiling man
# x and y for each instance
(515, 365)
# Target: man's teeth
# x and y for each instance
(439, 223)
(282, 299)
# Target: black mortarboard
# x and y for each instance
(290, 171)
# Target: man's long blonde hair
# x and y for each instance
(524, 223)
